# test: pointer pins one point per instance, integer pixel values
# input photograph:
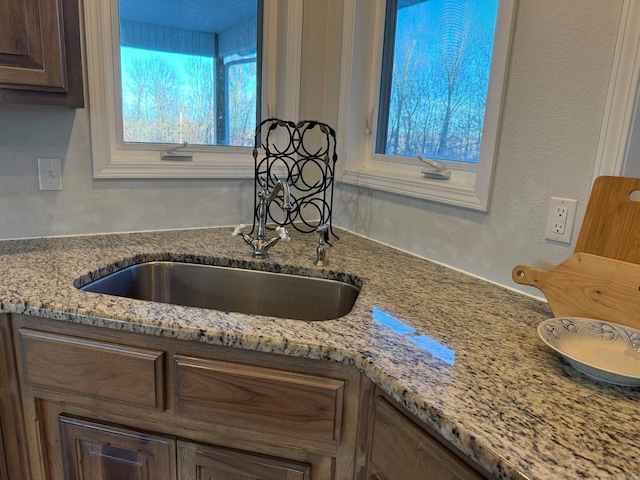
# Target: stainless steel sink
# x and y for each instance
(231, 289)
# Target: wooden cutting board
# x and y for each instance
(611, 225)
(588, 286)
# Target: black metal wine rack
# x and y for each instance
(303, 154)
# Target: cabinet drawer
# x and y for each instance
(259, 399)
(400, 449)
(96, 369)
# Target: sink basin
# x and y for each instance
(231, 289)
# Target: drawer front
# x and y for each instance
(259, 399)
(106, 371)
(200, 462)
(400, 449)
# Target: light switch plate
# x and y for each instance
(50, 173)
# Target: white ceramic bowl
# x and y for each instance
(603, 350)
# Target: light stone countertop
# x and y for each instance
(508, 401)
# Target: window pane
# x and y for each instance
(241, 99)
(189, 71)
(435, 76)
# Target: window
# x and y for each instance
(164, 73)
(438, 70)
(435, 74)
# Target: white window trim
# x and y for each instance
(363, 32)
(280, 97)
(622, 97)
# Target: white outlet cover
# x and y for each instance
(571, 205)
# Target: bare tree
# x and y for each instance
(439, 85)
(136, 93)
(141, 80)
(452, 64)
(242, 103)
(164, 87)
(200, 109)
(402, 78)
(154, 89)
(161, 105)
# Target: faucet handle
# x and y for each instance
(322, 229)
(239, 230)
(283, 234)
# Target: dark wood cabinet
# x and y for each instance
(13, 462)
(103, 371)
(263, 400)
(110, 405)
(401, 449)
(196, 462)
(101, 452)
(98, 451)
(40, 53)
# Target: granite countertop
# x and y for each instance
(506, 400)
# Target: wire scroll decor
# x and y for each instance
(303, 154)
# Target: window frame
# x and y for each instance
(363, 39)
(623, 97)
(281, 64)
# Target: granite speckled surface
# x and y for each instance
(507, 401)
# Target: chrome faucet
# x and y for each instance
(261, 243)
(321, 250)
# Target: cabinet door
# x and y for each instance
(100, 452)
(13, 461)
(31, 44)
(402, 450)
(200, 462)
(40, 52)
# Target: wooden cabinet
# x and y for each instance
(102, 370)
(97, 451)
(101, 452)
(400, 449)
(265, 400)
(198, 462)
(107, 404)
(40, 57)
(13, 460)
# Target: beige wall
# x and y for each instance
(555, 99)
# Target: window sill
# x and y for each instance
(460, 190)
(175, 170)
(138, 164)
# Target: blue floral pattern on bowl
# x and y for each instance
(602, 350)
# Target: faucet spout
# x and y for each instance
(286, 194)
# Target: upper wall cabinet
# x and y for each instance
(40, 57)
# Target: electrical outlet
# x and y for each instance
(561, 211)
(50, 173)
(562, 214)
(559, 227)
